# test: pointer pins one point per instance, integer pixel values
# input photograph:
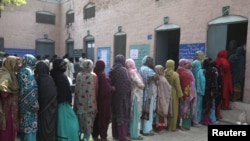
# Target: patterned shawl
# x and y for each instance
(121, 98)
(164, 96)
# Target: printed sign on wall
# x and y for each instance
(188, 50)
(137, 52)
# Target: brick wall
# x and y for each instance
(138, 19)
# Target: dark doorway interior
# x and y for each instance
(89, 46)
(120, 44)
(70, 47)
(230, 36)
(238, 32)
(167, 46)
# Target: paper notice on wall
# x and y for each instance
(134, 53)
(104, 55)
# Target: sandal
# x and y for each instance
(138, 138)
(148, 134)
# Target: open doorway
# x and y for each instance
(230, 33)
(167, 46)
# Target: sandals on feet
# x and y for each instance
(148, 134)
(138, 138)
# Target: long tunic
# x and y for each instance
(200, 81)
(47, 97)
(149, 98)
(174, 81)
(28, 100)
(136, 97)
(85, 103)
(224, 69)
(65, 112)
(186, 80)
(164, 99)
(104, 97)
(9, 89)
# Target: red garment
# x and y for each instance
(10, 132)
(104, 97)
(224, 69)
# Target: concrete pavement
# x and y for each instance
(194, 134)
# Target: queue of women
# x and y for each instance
(36, 102)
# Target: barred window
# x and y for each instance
(89, 10)
(69, 17)
(45, 17)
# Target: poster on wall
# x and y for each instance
(78, 52)
(188, 50)
(19, 51)
(137, 52)
(104, 54)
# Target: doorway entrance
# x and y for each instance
(120, 39)
(230, 33)
(223, 30)
(167, 44)
(70, 47)
(45, 46)
(89, 46)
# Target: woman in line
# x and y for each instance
(224, 68)
(85, 104)
(9, 92)
(47, 97)
(200, 82)
(121, 99)
(149, 95)
(28, 99)
(104, 97)
(211, 91)
(186, 80)
(164, 100)
(65, 113)
(174, 80)
(136, 99)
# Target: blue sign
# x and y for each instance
(19, 52)
(104, 54)
(149, 37)
(187, 51)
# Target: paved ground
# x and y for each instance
(194, 134)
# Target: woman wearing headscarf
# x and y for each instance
(163, 101)
(47, 98)
(9, 92)
(211, 91)
(174, 80)
(186, 80)
(121, 99)
(149, 95)
(65, 113)
(136, 99)
(85, 104)
(224, 69)
(200, 82)
(103, 97)
(238, 62)
(28, 99)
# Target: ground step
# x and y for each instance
(233, 116)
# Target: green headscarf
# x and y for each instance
(8, 79)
